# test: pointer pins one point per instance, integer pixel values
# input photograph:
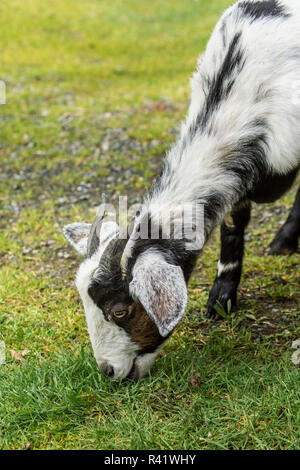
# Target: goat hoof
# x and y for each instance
(222, 302)
(212, 314)
(282, 246)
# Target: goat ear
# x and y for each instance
(161, 289)
(77, 235)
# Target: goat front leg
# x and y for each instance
(231, 259)
(286, 240)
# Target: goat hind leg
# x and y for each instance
(231, 259)
(286, 240)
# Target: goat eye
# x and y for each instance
(120, 314)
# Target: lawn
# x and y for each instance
(95, 93)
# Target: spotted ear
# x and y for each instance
(161, 289)
(77, 235)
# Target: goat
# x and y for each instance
(239, 143)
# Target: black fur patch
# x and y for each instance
(247, 159)
(212, 208)
(232, 251)
(286, 240)
(223, 33)
(266, 9)
(272, 186)
(220, 86)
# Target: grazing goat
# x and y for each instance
(239, 143)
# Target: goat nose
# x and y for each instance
(107, 369)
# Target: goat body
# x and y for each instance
(239, 143)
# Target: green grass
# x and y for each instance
(241, 402)
(75, 70)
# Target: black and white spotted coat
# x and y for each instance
(240, 142)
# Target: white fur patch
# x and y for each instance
(223, 268)
(110, 343)
(146, 361)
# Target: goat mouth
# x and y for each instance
(134, 373)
